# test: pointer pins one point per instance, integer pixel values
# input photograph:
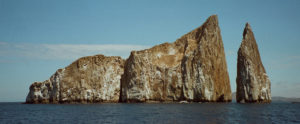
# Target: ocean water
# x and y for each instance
(149, 113)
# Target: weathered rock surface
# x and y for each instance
(193, 68)
(253, 84)
(88, 79)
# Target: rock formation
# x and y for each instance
(253, 84)
(193, 68)
(88, 79)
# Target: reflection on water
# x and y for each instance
(150, 113)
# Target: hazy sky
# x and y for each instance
(37, 36)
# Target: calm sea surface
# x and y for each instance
(150, 113)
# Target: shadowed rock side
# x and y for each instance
(88, 79)
(253, 84)
(193, 68)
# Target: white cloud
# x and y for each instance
(65, 51)
(2, 43)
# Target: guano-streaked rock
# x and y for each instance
(253, 84)
(193, 69)
(89, 79)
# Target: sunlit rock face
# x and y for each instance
(253, 84)
(193, 68)
(88, 79)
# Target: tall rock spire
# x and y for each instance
(253, 84)
(193, 68)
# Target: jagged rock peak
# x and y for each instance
(247, 27)
(213, 19)
(87, 80)
(253, 84)
(192, 68)
(211, 25)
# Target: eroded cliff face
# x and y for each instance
(88, 79)
(253, 84)
(193, 68)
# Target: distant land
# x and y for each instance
(275, 99)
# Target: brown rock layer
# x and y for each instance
(88, 79)
(253, 84)
(193, 68)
